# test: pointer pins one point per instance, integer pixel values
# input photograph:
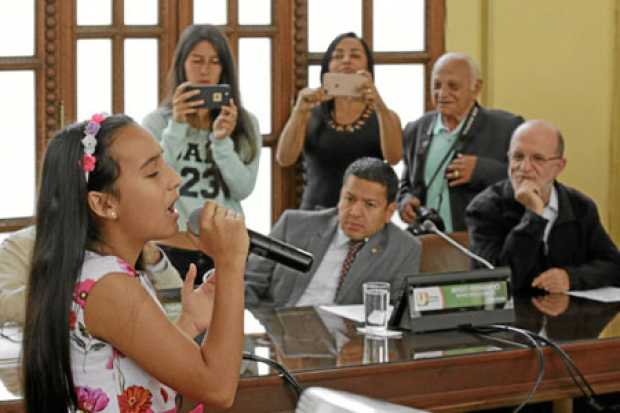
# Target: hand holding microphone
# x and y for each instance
(270, 248)
(222, 232)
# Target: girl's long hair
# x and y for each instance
(65, 228)
(328, 106)
(191, 36)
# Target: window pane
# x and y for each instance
(210, 11)
(254, 11)
(398, 25)
(255, 79)
(314, 76)
(402, 89)
(141, 74)
(257, 207)
(141, 11)
(94, 77)
(329, 18)
(94, 12)
(17, 143)
(17, 24)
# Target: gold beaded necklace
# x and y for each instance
(353, 126)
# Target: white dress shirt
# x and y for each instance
(322, 288)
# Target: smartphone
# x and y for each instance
(343, 84)
(214, 96)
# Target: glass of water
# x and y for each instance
(376, 349)
(376, 301)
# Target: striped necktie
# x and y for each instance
(354, 247)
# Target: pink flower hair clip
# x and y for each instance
(89, 142)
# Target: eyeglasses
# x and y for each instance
(536, 159)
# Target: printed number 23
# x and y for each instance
(194, 174)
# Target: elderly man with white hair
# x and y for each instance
(548, 233)
(455, 151)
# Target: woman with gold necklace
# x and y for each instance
(332, 132)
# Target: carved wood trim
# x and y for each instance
(301, 81)
(50, 45)
(44, 64)
(300, 35)
(283, 91)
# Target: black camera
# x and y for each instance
(214, 96)
(423, 214)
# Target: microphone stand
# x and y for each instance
(431, 227)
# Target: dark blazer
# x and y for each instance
(389, 255)
(488, 139)
(506, 233)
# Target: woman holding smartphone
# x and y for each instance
(215, 151)
(334, 131)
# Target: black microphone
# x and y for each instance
(425, 214)
(429, 226)
(270, 248)
(430, 214)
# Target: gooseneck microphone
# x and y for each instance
(429, 226)
(267, 247)
(425, 214)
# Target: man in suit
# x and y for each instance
(457, 150)
(352, 244)
(548, 233)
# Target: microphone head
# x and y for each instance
(429, 226)
(429, 214)
(264, 246)
(193, 223)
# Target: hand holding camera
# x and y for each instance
(182, 106)
(226, 121)
(309, 98)
(369, 92)
(356, 85)
(345, 84)
(189, 97)
(211, 96)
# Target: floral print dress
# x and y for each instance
(106, 380)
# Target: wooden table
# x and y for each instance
(441, 372)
